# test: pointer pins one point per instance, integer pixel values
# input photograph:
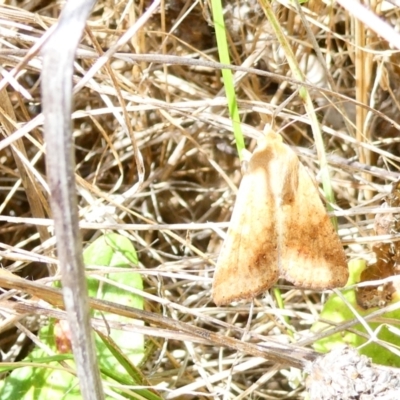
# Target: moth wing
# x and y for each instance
(247, 264)
(311, 253)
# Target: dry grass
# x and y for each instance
(186, 169)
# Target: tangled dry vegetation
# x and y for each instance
(163, 81)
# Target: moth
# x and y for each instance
(279, 228)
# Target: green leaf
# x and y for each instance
(40, 376)
(336, 310)
(119, 352)
(116, 251)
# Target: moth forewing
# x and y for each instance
(247, 264)
(312, 254)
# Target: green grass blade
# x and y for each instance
(223, 51)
